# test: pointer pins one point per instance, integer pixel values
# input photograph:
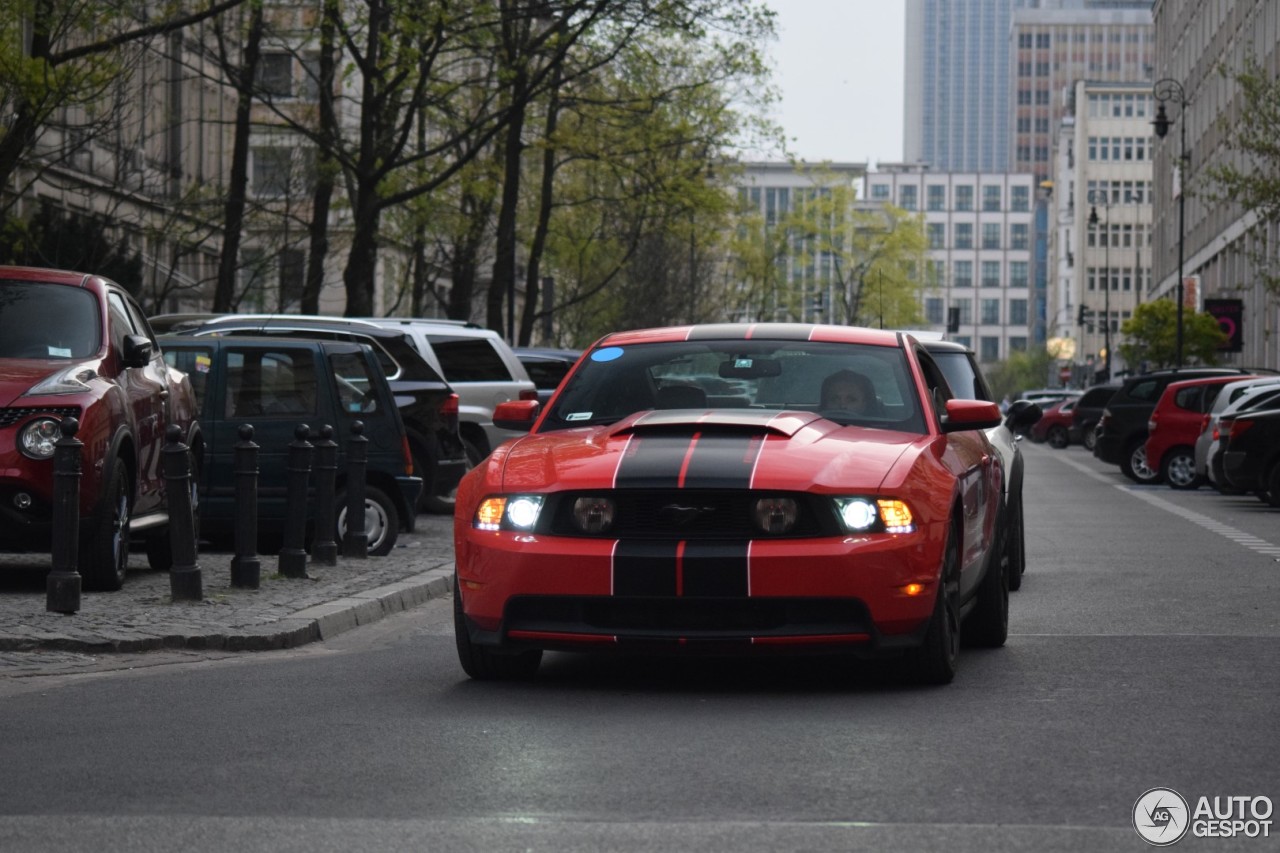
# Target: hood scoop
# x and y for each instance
(786, 423)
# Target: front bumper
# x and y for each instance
(583, 594)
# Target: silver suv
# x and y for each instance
(481, 368)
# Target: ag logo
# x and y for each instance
(1161, 817)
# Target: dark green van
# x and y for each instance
(276, 384)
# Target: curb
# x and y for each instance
(319, 622)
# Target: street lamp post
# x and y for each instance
(1164, 90)
(1097, 197)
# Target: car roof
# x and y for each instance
(755, 332)
(297, 321)
(49, 276)
(422, 321)
(264, 342)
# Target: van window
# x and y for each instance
(264, 383)
(469, 360)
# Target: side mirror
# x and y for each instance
(516, 414)
(137, 351)
(1022, 414)
(970, 414)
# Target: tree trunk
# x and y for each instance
(502, 288)
(233, 210)
(318, 228)
(362, 261)
(546, 196)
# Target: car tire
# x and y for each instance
(1057, 437)
(1087, 437)
(160, 545)
(104, 548)
(1273, 486)
(485, 664)
(381, 520)
(988, 624)
(1016, 545)
(1134, 464)
(1178, 468)
(934, 662)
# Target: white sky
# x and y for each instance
(839, 66)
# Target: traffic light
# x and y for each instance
(1080, 315)
(953, 320)
(1084, 316)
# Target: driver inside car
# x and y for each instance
(848, 391)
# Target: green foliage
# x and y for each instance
(71, 242)
(1152, 336)
(1250, 176)
(1022, 370)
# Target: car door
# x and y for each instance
(146, 391)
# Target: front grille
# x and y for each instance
(691, 514)
(11, 416)
(687, 617)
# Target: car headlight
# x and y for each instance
(862, 515)
(593, 514)
(510, 512)
(775, 515)
(39, 437)
(72, 380)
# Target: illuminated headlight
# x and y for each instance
(775, 515)
(862, 515)
(593, 514)
(39, 437)
(518, 512)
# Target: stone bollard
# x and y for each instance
(246, 569)
(62, 593)
(293, 553)
(324, 549)
(355, 541)
(185, 583)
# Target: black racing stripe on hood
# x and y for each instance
(653, 461)
(723, 461)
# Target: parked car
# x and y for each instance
(1175, 425)
(77, 345)
(1251, 459)
(428, 405)
(1265, 395)
(274, 385)
(547, 367)
(1054, 426)
(966, 380)
(1121, 434)
(1087, 411)
(636, 516)
(1047, 396)
(480, 367)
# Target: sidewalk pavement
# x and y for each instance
(281, 613)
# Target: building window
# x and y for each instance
(1017, 312)
(963, 274)
(293, 269)
(271, 166)
(964, 197)
(991, 312)
(880, 192)
(962, 340)
(275, 75)
(1017, 273)
(937, 232)
(991, 197)
(964, 235)
(907, 197)
(989, 350)
(1019, 235)
(933, 310)
(1020, 198)
(991, 235)
(937, 197)
(1017, 344)
(1042, 97)
(990, 273)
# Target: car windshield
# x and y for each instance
(47, 321)
(847, 383)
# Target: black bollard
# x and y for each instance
(246, 570)
(63, 588)
(355, 541)
(324, 549)
(185, 582)
(293, 553)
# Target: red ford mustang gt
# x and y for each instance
(736, 489)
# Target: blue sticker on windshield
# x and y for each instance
(607, 354)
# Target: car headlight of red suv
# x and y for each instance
(39, 437)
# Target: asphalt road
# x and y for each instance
(1142, 654)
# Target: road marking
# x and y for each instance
(1247, 540)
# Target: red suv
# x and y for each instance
(77, 345)
(1175, 424)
